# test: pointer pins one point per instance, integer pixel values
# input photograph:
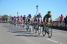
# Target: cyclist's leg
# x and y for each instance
(27, 27)
(35, 28)
(48, 32)
(44, 31)
(39, 30)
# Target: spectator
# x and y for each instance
(65, 21)
(61, 18)
(24, 18)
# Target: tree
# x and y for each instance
(5, 18)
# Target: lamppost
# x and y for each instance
(17, 18)
(17, 13)
(36, 9)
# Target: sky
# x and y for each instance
(25, 7)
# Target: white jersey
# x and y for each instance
(39, 20)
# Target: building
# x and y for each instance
(1, 19)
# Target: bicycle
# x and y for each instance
(47, 29)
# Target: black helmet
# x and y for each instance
(49, 11)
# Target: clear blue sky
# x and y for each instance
(24, 7)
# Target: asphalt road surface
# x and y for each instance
(10, 34)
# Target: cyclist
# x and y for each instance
(46, 21)
(28, 21)
(65, 21)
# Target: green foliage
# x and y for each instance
(5, 18)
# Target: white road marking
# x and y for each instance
(53, 41)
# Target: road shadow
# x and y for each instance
(25, 35)
(19, 32)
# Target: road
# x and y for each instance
(9, 35)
